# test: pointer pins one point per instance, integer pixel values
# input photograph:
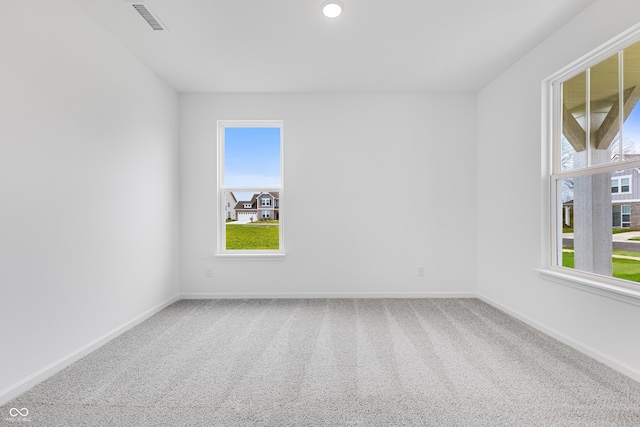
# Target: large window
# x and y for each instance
(594, 161)
(250, 171)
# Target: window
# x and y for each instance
(626, 216)
(621, 216)
(620, 185)
(250, 170)
(595, 136)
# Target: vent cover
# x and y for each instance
(149, 16)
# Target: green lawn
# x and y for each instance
(626, 253)
(626, 269)
(251, 237)
(621, 230)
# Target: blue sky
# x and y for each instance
(632, 125)
(252, 157)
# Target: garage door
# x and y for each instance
(243, 216)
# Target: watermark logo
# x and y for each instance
(18, 414)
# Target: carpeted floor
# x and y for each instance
(332, 362)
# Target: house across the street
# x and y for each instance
(262, 206)
(229, 205)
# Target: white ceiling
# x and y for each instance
(375, 46)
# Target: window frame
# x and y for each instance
(552, 174)
(221, 250)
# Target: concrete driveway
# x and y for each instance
(623, 237)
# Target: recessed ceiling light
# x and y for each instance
(332, 9)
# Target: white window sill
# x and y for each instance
(608, 290)
(244, 256)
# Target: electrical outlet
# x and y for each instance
(420, 271)
(208, 272)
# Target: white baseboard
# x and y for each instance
(322, 295)
(600, 357)
(21, 386)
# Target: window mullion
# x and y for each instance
(556, 117)
(557, 221)
(587, 118)
(611, 167)
(621, 103)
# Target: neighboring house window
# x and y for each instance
(621, 216)
(594, 129)
(626, 216)
(620, 185)
(250, 165)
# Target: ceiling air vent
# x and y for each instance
(149, 16)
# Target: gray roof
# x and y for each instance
(254, 204)
(240, 205)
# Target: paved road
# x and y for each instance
(621, 246)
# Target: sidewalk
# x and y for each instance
(620, 237)
(260, 223)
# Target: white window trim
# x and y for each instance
(599, 286)
(221, 251)
(609, 287)
(625, 201)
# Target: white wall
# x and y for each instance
(398, 172)
(510, 205)
(88, 187)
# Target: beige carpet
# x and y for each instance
(325, 362)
